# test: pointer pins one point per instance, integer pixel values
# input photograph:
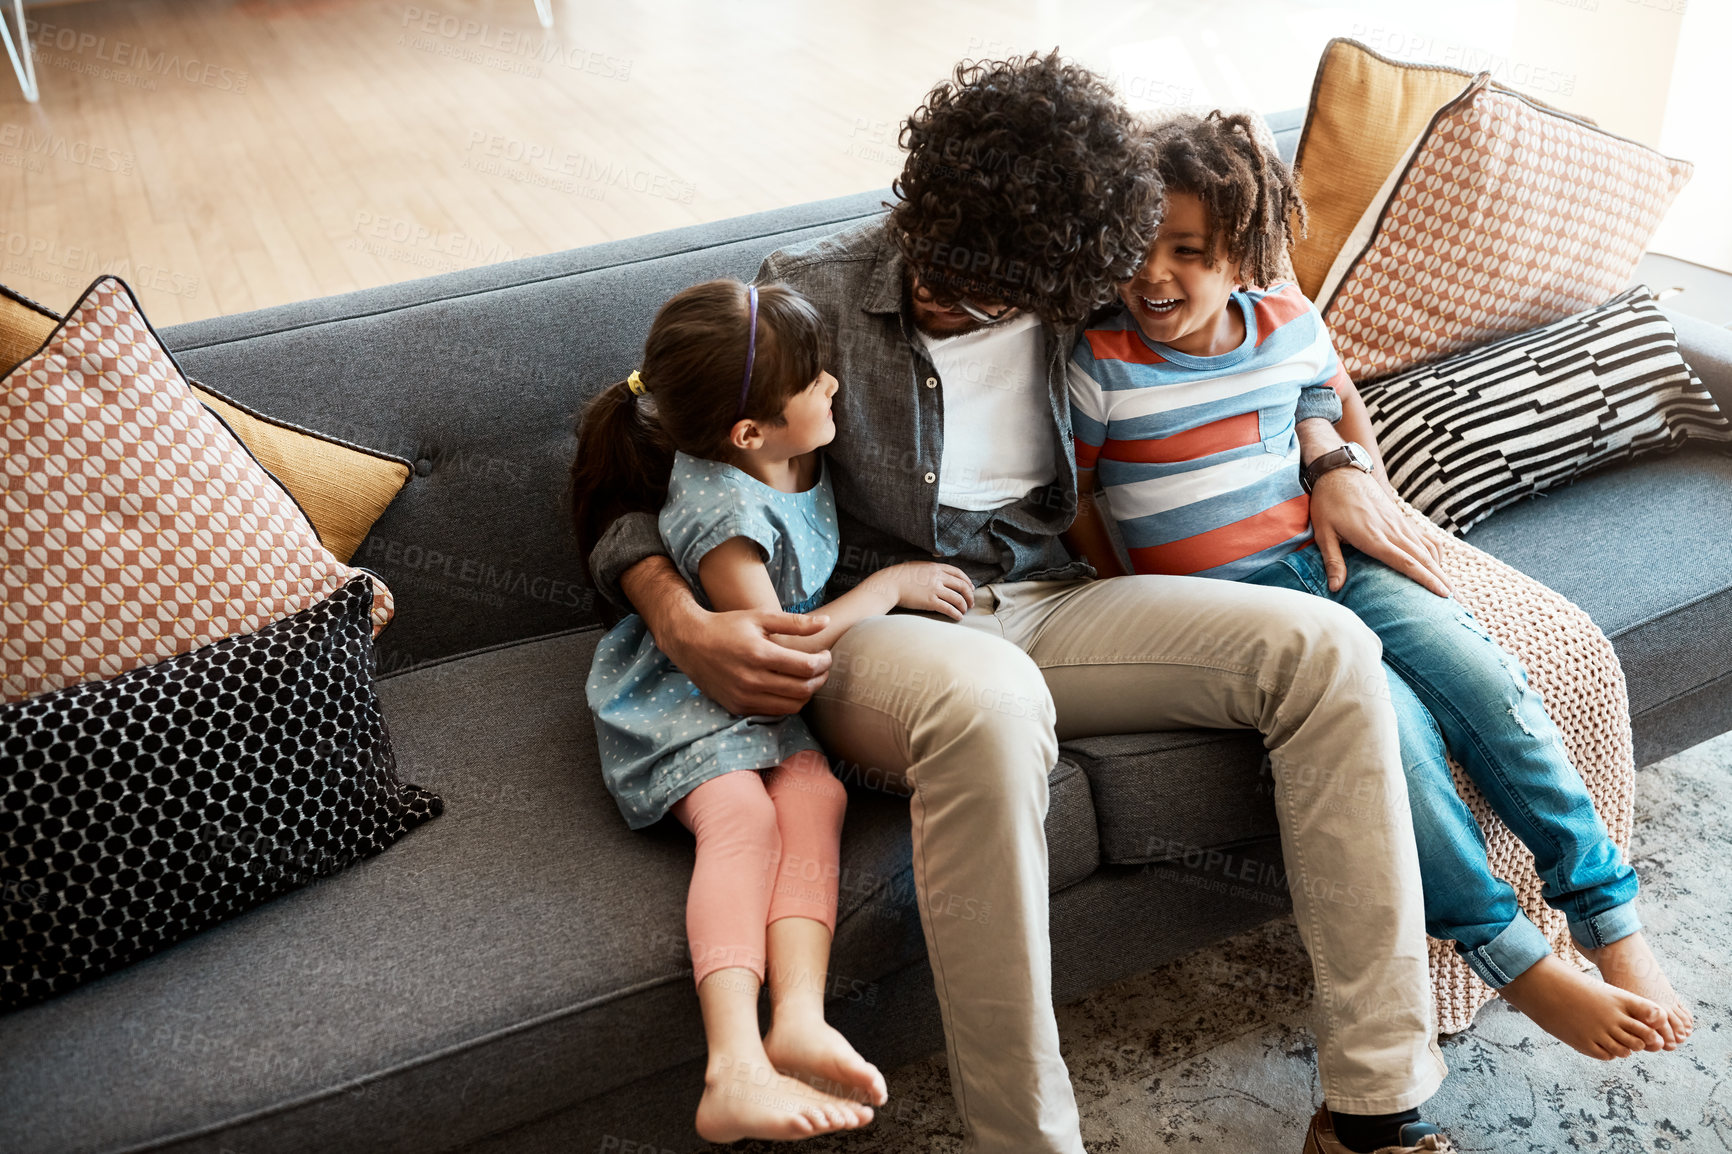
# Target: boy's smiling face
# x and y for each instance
(1180, 295)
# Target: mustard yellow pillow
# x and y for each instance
(1366, 111)
(24, 325)
(342, 488)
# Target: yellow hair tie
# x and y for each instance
(635, 383)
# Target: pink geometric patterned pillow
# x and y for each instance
(133, 525)
(1506, 216)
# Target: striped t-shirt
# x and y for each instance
(1199, 456)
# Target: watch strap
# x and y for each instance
(1326, 462)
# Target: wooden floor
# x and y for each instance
(225, 155)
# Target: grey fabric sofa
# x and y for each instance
(513, 977)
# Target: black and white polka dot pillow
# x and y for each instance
(138, 811)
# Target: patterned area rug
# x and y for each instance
(1212, 1052)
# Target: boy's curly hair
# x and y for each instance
(1028, 182)
(1248, 193)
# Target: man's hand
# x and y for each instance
(729, 656)
(732, 659)
(1352, 507)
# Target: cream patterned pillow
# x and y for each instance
(342, 488)
(1504, 216)
(133, 526)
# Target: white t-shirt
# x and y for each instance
(998, 437)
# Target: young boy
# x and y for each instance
(1186, 398)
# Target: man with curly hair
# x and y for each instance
(1028, 194)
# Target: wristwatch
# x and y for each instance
(1351, 454)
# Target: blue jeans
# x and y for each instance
(1454, 687)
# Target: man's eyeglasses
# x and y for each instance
(983, 315)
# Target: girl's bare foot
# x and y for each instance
(1601, 1020)
(1629, 964)
(816, 1052)
(744, 1097)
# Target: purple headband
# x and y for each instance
(751, 348)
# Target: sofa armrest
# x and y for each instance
(1707, 348)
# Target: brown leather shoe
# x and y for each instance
(1416, 1138)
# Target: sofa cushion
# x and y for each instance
(1171, 796)
(498, 965)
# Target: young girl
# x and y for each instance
(1187, 397)
(724, 422)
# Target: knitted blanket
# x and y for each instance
(1570, 664)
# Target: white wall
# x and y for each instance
(1698, 127)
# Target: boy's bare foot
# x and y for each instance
(1629, 964)
(1601, 1020)
(744, 1097)
(815, 1051)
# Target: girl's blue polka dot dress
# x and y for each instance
(660, 737)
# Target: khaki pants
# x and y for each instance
(968, 716)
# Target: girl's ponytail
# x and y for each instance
(622, 465)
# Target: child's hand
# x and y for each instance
(933, 587)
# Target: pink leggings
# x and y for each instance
(769, 847)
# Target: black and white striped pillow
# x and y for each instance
(1464, 437)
